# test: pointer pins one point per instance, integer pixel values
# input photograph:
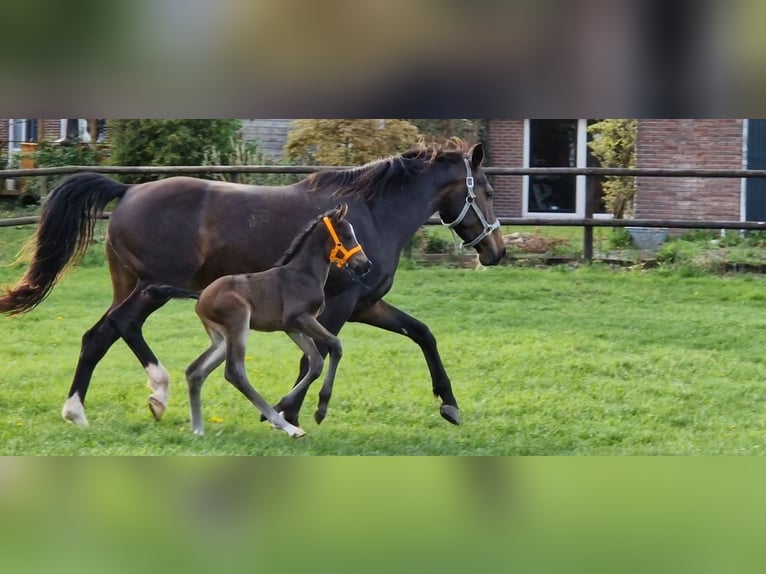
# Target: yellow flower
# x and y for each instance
(216, 420)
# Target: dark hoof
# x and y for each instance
(452, 414)
(319, 417)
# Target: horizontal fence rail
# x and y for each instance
(587, 223)
(306, 169)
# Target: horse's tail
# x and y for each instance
(67, 220)
(170, 292)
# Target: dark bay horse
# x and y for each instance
(187, 232)
(287, 297)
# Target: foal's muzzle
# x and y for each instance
(360, 268)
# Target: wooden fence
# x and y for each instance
(588, 223)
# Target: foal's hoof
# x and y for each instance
(319, 416)
(157, 408)
(452, 414)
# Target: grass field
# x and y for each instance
(543, 362)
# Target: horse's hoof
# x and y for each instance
(452, 414)
(157, 408)
(319, 417)
(297, 432)
(74, 412)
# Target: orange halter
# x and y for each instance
(339, 247)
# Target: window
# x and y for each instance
(558, 143)
(75, 129)
(20, 131)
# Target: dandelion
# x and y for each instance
(216, 420)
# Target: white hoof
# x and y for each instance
(198, 432)
(159, 383)
(157, 408)
(295, 432)
(74, 412)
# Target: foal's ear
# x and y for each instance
(341, 211)
(477, 155)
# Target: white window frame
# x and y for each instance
(580, 183)
(14, 145)
(82, 129)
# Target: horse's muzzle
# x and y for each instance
(491, 257)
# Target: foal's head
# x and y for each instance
(337, 234)
(346, 249)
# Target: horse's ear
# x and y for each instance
(341, 210)
(477, 155)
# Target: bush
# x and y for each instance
(620, 239)
(246, 153)
(614, 144)
(170, 142)
(50, 154)
(347, 142)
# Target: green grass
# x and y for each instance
(543, 362)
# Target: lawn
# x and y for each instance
(553, 361)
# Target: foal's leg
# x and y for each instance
(336, 312)
(388, 317)
(311, 333)
(237, 376)
(198, 371)
(314, 361)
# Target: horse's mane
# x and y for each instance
(365, 181)
(301, 238)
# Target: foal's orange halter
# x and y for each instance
(339, 247)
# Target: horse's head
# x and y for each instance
(347, 250)
(466, 208)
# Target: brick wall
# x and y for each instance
(51, 130)
(679, 143)
(506, 149)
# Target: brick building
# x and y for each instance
(661, 143)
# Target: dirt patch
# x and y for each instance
(532, 242)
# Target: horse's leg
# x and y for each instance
(197, 373)
(128, 318)
(235, 373)
(388, 317)
(95, 343)
(311, 333)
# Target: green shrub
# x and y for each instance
(435, 243)
(614, 144)
(170, 142)
(241, 152)
(620, 239)
(50, 154)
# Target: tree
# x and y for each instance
(441, 130)
(170, 142)
(613, 143)
(347, 142)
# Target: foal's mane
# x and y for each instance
(365, 181)
(300, 239)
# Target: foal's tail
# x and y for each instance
(169, 292)
(65, 230)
